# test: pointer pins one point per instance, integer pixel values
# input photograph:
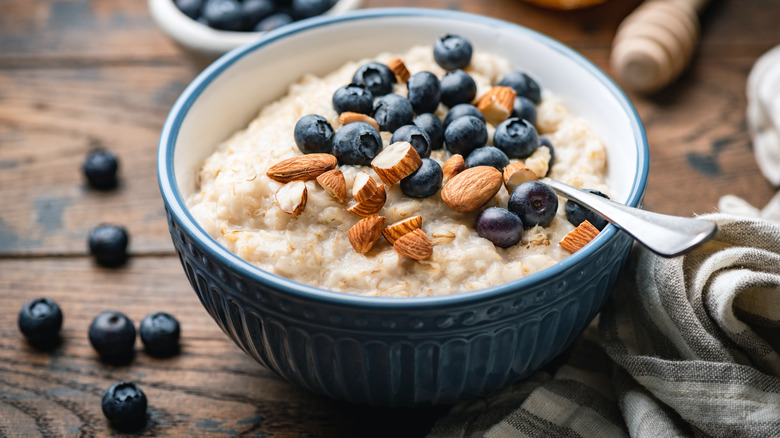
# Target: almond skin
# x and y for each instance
(399, 68)
(472, 188)
(364, 234)
(302, 168)
(369, 206)
(291, 197)
(453, 166)
(579, 237)
(334, 183)
(415, 245)
(497, 104)
(396, 162)
(516, 174)
(397, 229)
(364, 187)
(348, 117)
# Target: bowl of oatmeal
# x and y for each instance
(318, 284)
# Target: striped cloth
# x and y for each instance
(685, 347)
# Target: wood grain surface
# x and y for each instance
(80, 74)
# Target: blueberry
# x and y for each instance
(223, 14)
(112, 335)
(301, 9)
(534, 202)
(524, 108)
(375, 77)
(432, 126)
(487, 156)
(356, 143)
(500, 226)
(460, 110)
(516, 137)
(273, 21)
(353, 98)
(577, 214)
(252, 11)
(452, 52)
(545, 141)
(190, 8)
(160, 334)
(124, 405)
(392, 111)
(416, 136)
(313, 134)
(423, 182)
(40, 321)
(523, 85)
(457, 87)
(424, 92)
(100, 167)
(465, 134)
(108, 244)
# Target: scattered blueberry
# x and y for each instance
(314, 134)
(432, 126)
(100, 168)
(108, 244)
(516, 137)
(524, 108)
(301, 9)
(534, 202)
(124, 405)
(460, 110)
(465, 134)
(356, 143)
(577, 214)
(375, 77)
(190, 8)
(160, 334)
(452, 52)
(252, 11)
(392, 111)
(424, 92)
(353, 98)
(423, 182)
(272, 22)
(500, 226)
(416, 136)
(457, 87)
(223, 14)
(523, 85)
(487, 156)
(40, 321)
(545, 141)
(112, 335)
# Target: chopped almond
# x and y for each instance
(579, 237)
(397, 229)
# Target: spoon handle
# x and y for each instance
(665, 235)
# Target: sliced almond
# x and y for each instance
(497, 104)
(415, 245)
(369, 206)
(516, 174)
(453, 166)
(472, 188)
(291, 197)
(302, 168)
(399, 68)
(579, 237)
(397, 229)
(396, 162)
(364, 187)
(348, 117)
(334, 183)
(364, 234)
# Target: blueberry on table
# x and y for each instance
(457, 87)
(160, 334)
(534, 202)
(375, 77)
(423, 182)
(356, 143)
(432, 126)
(40, 321)
(314, 134)
(252, 11)
(516, 137)
(524, 108)
(273, 21)
(416, 136)
(424, 92)
(353, 98)
(545, 141)
(392, 111)
(100, 167)
(523, 85)
(464, 135)
(112, 335)
(577, 214)
(124, 405)
(190, 8)
(301, 9)
(452, 52)
(108, 244)
(500, 226)
(223, 14)
(487, 156)
(460, 110)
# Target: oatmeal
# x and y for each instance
(236, 200)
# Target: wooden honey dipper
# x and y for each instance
(655, 43)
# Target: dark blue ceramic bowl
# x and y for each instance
(394, 351)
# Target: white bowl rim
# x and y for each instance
(177, 206)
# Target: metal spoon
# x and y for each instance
(665, 235)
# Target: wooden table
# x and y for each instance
(80, 74)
